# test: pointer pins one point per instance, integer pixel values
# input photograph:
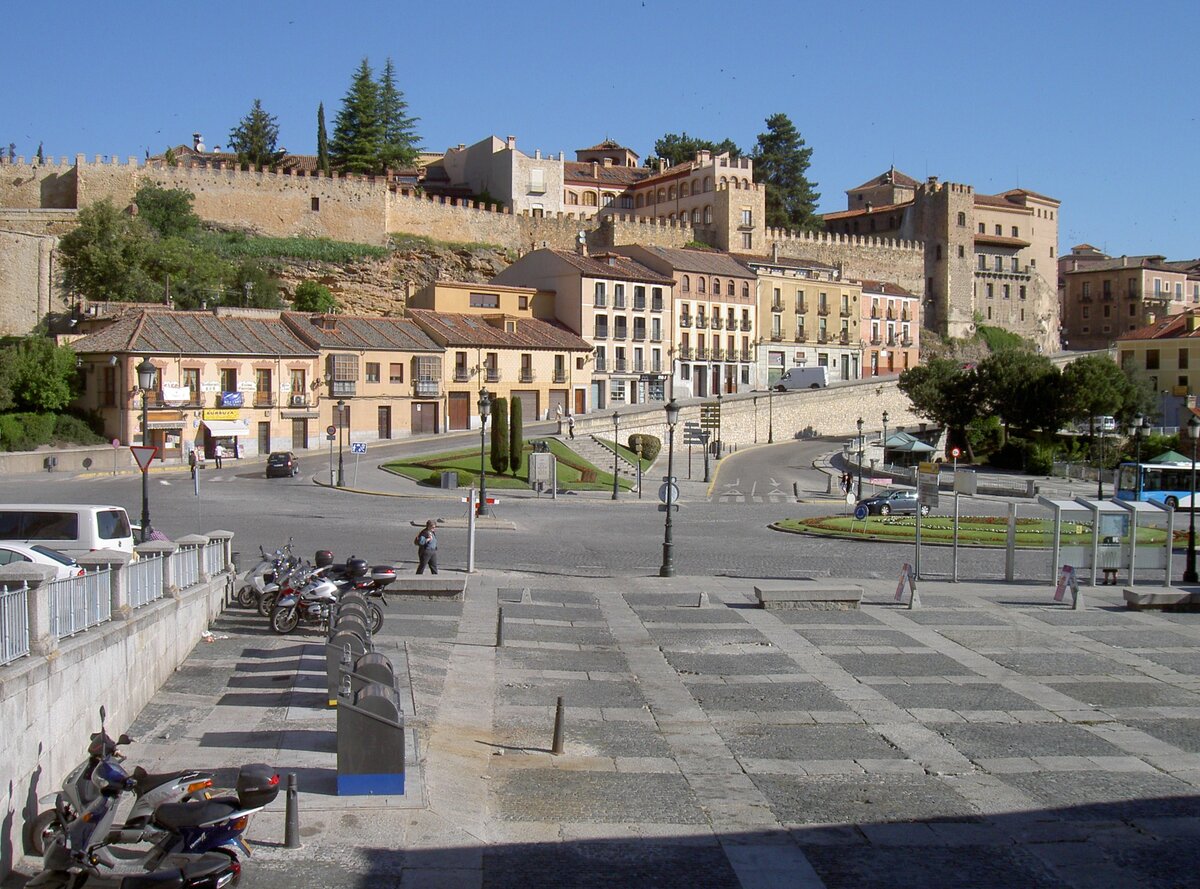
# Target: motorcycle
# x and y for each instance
(291, 573)
(212, 871)
(78, 792)
(263, 576)
(313, 601)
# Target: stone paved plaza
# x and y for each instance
(990, 738)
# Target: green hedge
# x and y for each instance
(29, 431)
(651, 445)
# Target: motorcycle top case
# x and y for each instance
(257, 785)
(383, 572)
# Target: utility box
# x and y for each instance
(449, 479)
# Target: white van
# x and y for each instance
(803, 378)
(75, 529)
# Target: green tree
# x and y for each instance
(322, 140)
(37, 375)
(1094, 386)
(187, 272)
(102, 257)
(253, 287)
(516, 441)
(781, 162)
(500, 435)
(1023, 389)
(945, 393)
(399, 145)
(313, 297)
(167, 211)
(358, 128)
(679, 148)
(255, 137)
(41, 158)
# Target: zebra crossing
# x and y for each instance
(769, 492)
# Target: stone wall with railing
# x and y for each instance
(110, 636)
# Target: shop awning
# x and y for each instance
(227, 428)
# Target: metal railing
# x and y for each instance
(144, 580)
(187, 566)
(77, 603)
(14, 624)
(213, 557)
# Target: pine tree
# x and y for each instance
(255, 137)
(322, 141)
(516, 441)
(41, 158)
(399, 130)
(500, 435)
(358, 129)
(781, 162)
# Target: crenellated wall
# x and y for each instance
(859, 256)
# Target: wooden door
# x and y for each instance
(460, 410)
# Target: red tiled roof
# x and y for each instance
(784, 262)
(893, 176)
(610, 145)
(885, 287)
(1000, 240)
(1130, 263)
(994, 200)
(622, 267)
(580, 172)
(706, 262)
(863, 211)
(1032, 194)
(457, 330)
(1171, 327)
(360, 333)
(196, 333)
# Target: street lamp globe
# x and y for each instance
(485, 405)
(672, 410)
(485, 411)
(145, 373)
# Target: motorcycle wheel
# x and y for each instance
(245, 596)
(284, 620)
(376, 617)
(43, 831)
(266, 603)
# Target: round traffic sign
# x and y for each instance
(860, 512)
(331, 430)
(956, 452)
(668, 492)
(116, 442)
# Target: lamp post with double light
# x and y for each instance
(1189, 573)
(860, 456)
(146, 373)
(668, 559)
(485, 410)
(615, 435)
(341, 415)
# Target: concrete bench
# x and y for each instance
(428, 586)
(1161, 597)
(824, 595)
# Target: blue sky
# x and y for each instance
(1094, 104)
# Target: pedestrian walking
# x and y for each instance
(426, 543)
(571, 425)
(218, 453)
(192, 461)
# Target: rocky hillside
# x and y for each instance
(379, 286)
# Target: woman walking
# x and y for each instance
(426, 543)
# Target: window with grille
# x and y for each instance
(343, 374)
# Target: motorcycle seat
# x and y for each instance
(175, 816)
(147, 781)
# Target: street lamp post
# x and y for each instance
(1189, 573)
(1100, 469)
(860, 456)
(485, 410)
(720, 424)
(668, 559)
(883, 442)
(145, 374)
(1137, 430)
(341, 414)
(771, 415)
(615, 434)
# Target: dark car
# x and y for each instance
(282, 463)
(897, 502)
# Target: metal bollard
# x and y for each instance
(500, 628)
(557, 746)
(291, 826)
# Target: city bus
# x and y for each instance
(1167, 483)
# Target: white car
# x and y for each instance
(10, 553)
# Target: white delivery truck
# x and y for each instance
(803, 378)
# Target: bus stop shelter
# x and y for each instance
(1114, 532)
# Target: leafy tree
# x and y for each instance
(262, 292)
(1023, 389)
(781, 162)
(679, 148)
(399, 143)
(255, 137)
(516, 442)
(322, 140)
(1094, 386)
(500, 435)
(358, 128)
(945, 393)
(313, 297)
(41, 157)
(169, 156)
(102, 258)
(36, 375)
(187, 271)
(167, 211)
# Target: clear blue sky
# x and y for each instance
(1094, 104)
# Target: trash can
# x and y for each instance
(449, 479)
(1108, 559)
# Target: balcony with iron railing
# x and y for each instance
(906, 341)
(462, 374)
(686, 353)
(776, 336)
(701, 321)
(823, 310)
(801, 336)
(844, 337)
(802, 308)
(560, 375)
(717, 354)
(618, 302)
(620, 365)
(639, 336)
(639, 303)
(716, 323)
(525, 376)
(637, 367)
(656, 305)
(656, 367)
(685, 320)
(701, 353)
(822, 337)
(747, 355)
(656, 336)
(600, 334)
(600, 303)
(492, 374)
(844, 312)
(777, 306)
(620, 333)
(601, 365)
(876, 339)
(875, 313)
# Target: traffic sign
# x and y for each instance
(143, 454)
(491, 501)
(668, 492)
(358, 447)
(330, 436)
(860, 512)
(956, 453)
(710, 416)
(331, 431)
(116, 442)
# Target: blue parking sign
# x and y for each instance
(358, 447)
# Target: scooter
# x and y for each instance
(212, 871)
(78, 792)
(263, 576)
(313, 602)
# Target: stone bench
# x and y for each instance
(1161, 597)
(428, 586)
(824, 595)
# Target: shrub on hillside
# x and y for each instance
(25, 432)
(651, 445)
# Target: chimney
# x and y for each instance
(774, 251)
(198, 143)
(511, 143)
(608, 162)
(537, 154)
(1124, 261)
(595, 169)
(869, 207)
(932, 181)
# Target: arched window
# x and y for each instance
(737, 184)
(696, 216)
(662, 195)
(745, 183)
(745, 290)
(708, 183)
(572, 198)
(670, 217)
(640, 200)
(724, 182)
(683, 189)
(729, 289)
(608, 198)
(700, 284)
(671, 193)
(716, 286)
(708, 215)
(589, 199)
(687, 283)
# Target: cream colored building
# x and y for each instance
(1109, 297)
(891, 329)
(1167, 352)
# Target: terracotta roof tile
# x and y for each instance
(361, 333)
(195, 333)
(707, 262)
(885, 287)
(892, 176)
(1171, 327)
(459, 330)
(620, 267)
(785, 262)
(864, 212)
(581, 172)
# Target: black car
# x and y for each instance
(895, 502)
(282, 463)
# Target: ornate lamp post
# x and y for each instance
(615, 434)
(1137, 430)
(146, 373)
(860, 456)
(1100, 469)
(884, 441)
(341, 415)
(771, 415)
(1189, 573)
(485, 410)
(668, 559)
(720, 424)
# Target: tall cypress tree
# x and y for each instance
(500, 435)
(358, 129)
(322, 140)
(781, 162)
(399, 129)
(516, 435)
(255, 137)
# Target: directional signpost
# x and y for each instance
(927, 495)
(694, 435)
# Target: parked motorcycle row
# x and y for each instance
(290, 591)
(180, 832)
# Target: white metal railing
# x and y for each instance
(187, 567)
(214, 557)
(77, 603)
(144, 580)
(14, 624)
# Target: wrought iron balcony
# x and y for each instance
(685, 320)
(560, 376)
(492, 375)
(462, 374)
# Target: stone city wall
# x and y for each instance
(26, 281)
(875, 258)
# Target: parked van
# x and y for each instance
(75, 529)
(804, 378)
(1105, 424)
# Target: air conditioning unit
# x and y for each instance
(298, 401)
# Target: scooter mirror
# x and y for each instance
(103, 714)
(124, 739)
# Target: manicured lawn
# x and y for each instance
(573, 472)
(972, 530)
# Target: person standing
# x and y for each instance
(427, 548)
(571, 425)
(218, 453)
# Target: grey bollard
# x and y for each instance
(556, 746)
(370, 742)
(291, 826)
